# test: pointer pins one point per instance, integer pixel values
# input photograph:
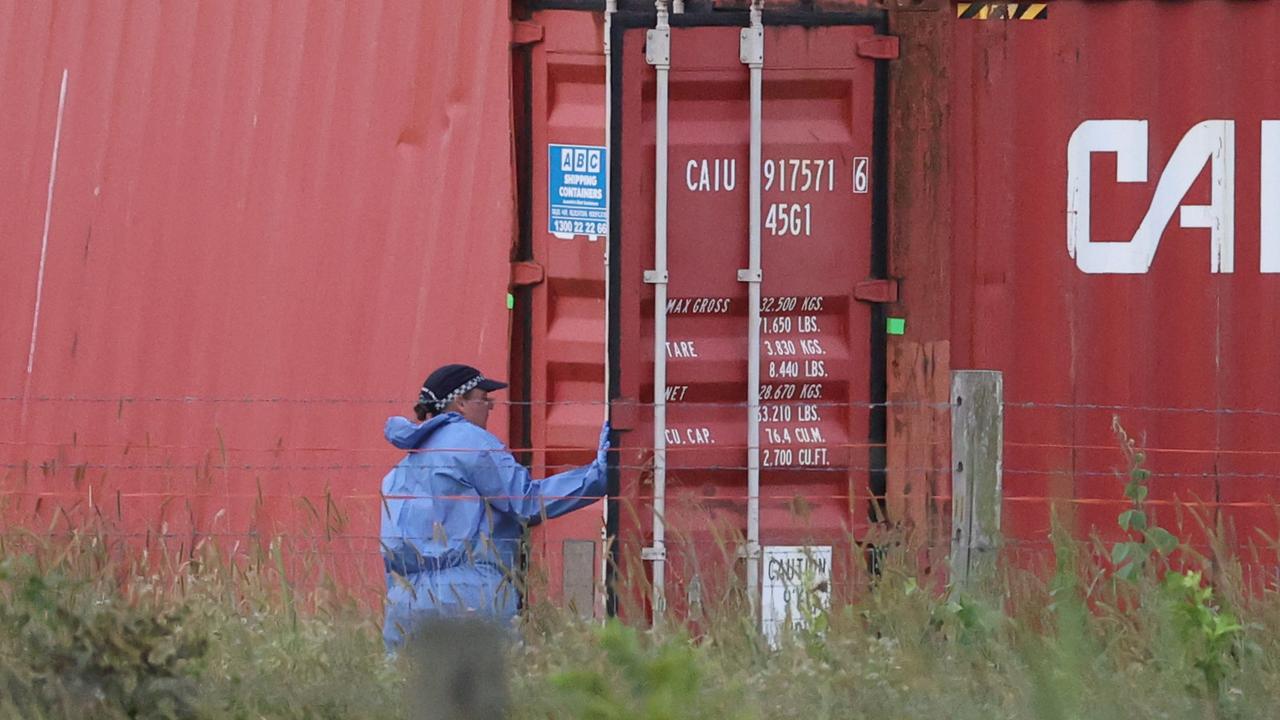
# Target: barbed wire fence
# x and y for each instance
(324, 497)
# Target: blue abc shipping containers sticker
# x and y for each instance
(578, 190)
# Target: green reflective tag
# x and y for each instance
(895, 326)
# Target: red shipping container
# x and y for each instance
(261, 226)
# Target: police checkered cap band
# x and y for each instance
(427, 397)
(450, 382)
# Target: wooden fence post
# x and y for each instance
(977, 461)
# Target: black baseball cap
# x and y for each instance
(450, 382)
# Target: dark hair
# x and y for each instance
(421, 410)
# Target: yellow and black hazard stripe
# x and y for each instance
(1002, 10)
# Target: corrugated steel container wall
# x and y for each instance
(988, 118)
(268, 222)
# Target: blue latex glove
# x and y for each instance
(602, 454)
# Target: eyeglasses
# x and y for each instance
(480, 399)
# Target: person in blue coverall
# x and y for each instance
(455, 508)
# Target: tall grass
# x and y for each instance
(90, 629)
(88, 632)
(84, 636)
(1027, 648)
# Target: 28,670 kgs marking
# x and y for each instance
(787, 391)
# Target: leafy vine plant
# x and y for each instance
(1146, 539)
(1212, 639)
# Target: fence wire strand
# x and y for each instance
(901, 459)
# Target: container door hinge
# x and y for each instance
(882, 290)
(524, 32)
(751, 46)
(879, 47)
(657, 47)
(524, 274)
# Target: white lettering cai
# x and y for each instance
(807, 324)
(676, 393)
(811, 391)
(812, 304)
(711, 175)
(814, 369)
(673, 436)
(808, 413)
(1212, 142)
(681, 349)
(779, 436)
(698, 306)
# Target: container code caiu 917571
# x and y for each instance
(795, 176)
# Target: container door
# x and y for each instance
(818, 358)
(558, 329)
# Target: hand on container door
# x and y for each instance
(602, 453)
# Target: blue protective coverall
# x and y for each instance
(453, 516)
